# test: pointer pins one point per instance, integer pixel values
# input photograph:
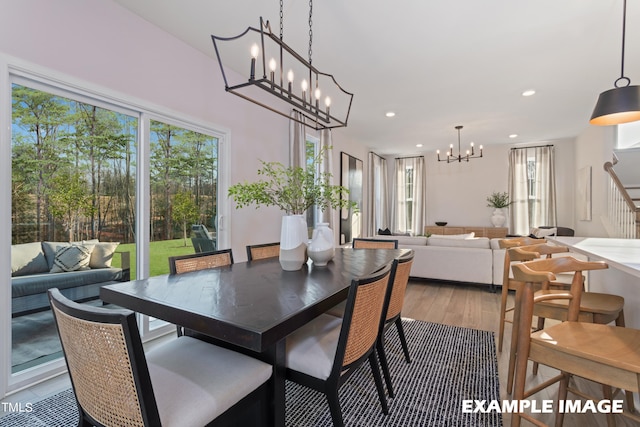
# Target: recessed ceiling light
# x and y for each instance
(528, 92)
(513, 135)
(419, 145)
(390, 114)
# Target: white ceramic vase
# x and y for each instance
(293, 242)
(498, 218)
(322, 247)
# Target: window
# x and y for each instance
(628, 135)
(79, 176)
(378, 213)
(184, 175)
(312, 150)
(409, 185)
(531, 188)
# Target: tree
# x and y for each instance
(40, 117)
(185, 211)
(69, 200)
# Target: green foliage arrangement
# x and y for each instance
(498, 200)
(292, 189)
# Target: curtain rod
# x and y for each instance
(531, 146)
(378, 155)
(410, 157)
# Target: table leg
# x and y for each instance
(277, 357)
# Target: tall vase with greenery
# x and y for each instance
(499, 201)
(293, 190)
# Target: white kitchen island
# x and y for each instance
(623, 275)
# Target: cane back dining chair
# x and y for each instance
(262, 251)
(359, 243)
(199, 261)
(325, 352)
(393, 313)
(184, 382)
(606, 354)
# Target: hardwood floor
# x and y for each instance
(473, 306)
(470, 306)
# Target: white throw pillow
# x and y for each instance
(72, 258)
(454, 236)
(543, 232)
(102, 254)
(28, 258)
(478, 242)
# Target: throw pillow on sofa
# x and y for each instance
(28, 258)
(102, 254)
(454, 236)
(72, 258)
(540, 233)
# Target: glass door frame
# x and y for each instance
(12, 70)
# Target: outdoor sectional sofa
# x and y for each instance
(78, 269)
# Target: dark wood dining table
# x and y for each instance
(251, 306)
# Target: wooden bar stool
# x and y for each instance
(525, 253)
(593, 307)
(609, 355)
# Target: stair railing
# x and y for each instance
(623, 214)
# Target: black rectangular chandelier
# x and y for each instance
(279, 79)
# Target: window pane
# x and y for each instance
(73, 184)
(184, 177)
(311, 212)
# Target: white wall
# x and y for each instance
(594, 147)
(457, 192)
(100, 44)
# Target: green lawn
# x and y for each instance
(159, 253)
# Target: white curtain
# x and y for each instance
(532, 189)
(409, 186)
(544, 208)
(378, 214)
(518, 192)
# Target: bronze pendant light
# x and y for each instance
(621, 104)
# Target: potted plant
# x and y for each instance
(498, 201)
(293, 190)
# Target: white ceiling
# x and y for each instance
(438, 64)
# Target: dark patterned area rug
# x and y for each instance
(449, 364)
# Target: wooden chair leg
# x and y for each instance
(620, 319)
(514, 343)
(608, 394)
(562, 395)
(503, 313)
(385, 366)
(403, 340)
(522, 351)
(631, 406)
(539, 327)
(373, 362)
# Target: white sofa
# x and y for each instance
(459, 258)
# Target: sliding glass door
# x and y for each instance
(73, 176)
(100, 192)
